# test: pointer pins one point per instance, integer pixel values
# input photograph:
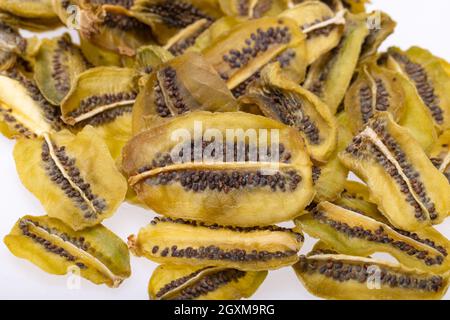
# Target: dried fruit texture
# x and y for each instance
(403, 182)
(375, 89)
(198, 244)
(100, 57)
(323, 27)
(242, 52)
(148, 58)
(168, 17)
(429, 78)
(11, 45)
(381, 26)
(356, 234)
(73, 176)
(329, 178)
(281, 99)
(355, 6)
(114, 28)
(31, 24)
(41, 9)
(23, 109)
(234, 182)
(330, 76)
(172, 282)
(181, 85)
(58, 63)
(321, 247)
(440, 154)
(335, 276)
(100, 255)
(253, 8)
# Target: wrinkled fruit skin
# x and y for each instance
(98, 254)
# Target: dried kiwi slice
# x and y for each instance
(186, 38)
(323, 27)
(246, 184)
(330, 76)
(148, 58)
(253, 8)
(440, 154)
(98, 56)
(403, 182)
(430, 79)
(100, 255)
(31, 24)
(281, 99)
(41, 9)
(58, 63)
(336, 276)
(168, 17)
(376, 89)
(12, 44)
(191, 243)
(23, 109)
(183, 84)
(356, 234)
(173, 282)
(73, 176)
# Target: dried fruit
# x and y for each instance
(198, 244)
(281, 99)
(99, 255)
(186, 38)
(440, 154)
(11, 45)
(172, 282)
(41, 9)
(376, 89)
(183, 84)
(252, 8)
(148, 58)
(323, 27)
(58, 63)
(168, 17)
(403, 182)
(245, 49)
(335, 276)
(330, 76)
(356, 234)
(329, 177)
(23, 109)
(31, 24)
(73, 176)
(225, 178)
(430, 79)
(100, 57)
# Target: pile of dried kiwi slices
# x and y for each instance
(93, 123)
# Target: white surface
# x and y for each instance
(423, 23)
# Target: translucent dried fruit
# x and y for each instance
(23, 109)
(281, 99)
(11, 45)
(403, 182)
(244, 50)
(58, 63)
(430, 79)
(381, 27)
(181, 85)
(172, 282)
(440, 154)
(73, 176)
(323, 27)
(330, 76)
(99, 255)
(29, 8)
(329, 178)
(168, 17)
(335, 276)
(252, 8)
(227, 182)
(375, 89)
(198, 244)
(356, 234)
(114, 28)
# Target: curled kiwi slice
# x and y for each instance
(98, 254)
(57, 64)
(191, 243)
(73, 176)
(279, 98)
(177, 282)
(183, 84)
(337, 276)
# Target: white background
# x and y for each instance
(423, 23)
